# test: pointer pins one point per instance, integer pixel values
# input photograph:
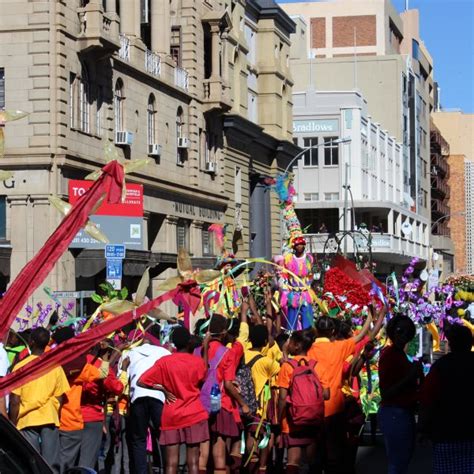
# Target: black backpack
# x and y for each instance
(243, 377)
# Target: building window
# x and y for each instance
(72, 100)
(311, 196)
(2, 88)
(180, 148)
(331, 196)
(182, 234)
(3, 217)
(150, 120)
(207, 242)
(118, 106)
(84, 105)
(252, 107)
(331, 152)
(311, 156)
(100, 103)
(175, 45)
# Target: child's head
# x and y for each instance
(281, 339)
(401, 330)
(233, 328)
(459, 338)
(180, 337)
(39, 339)
(258, 336)
(300, 343)
(343, 329)
(198, 326)
(325, 327)
(218, 326)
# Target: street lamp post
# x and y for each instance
(437, 221)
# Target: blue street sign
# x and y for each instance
(114, 269)
(114, 251)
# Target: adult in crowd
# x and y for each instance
(399, 382)
(35, 406)
(446, 416)
(146, 405)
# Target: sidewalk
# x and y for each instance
(372, 459)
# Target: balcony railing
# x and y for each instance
(181, 78)
(216, 94)
(124, 52)
(152, 63)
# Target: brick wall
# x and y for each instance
(318, 32)
(343, 30)
(457, 223)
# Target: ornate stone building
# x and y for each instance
(202, 88)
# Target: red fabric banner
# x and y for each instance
(34, 272)
(73, 348)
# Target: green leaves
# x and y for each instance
(97, 298)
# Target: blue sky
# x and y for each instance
(447, 29)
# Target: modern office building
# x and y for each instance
(458, 130)
(201, 88)
(368, 46)
(369, 165)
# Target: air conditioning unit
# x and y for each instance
(211, 167)
(123, 138)
(154, 149)
(183, 142)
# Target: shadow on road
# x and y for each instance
(372, 459)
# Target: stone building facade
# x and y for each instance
(202, 88)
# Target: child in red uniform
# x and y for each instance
(184, 420)
(295, 438)
(225, 425)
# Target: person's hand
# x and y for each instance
(245, 410)
(125, 363)
(169, 397)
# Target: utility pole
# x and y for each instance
(346, 192)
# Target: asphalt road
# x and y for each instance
(372, 459)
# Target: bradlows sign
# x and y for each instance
(315, 126)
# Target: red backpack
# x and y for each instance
(305, 395)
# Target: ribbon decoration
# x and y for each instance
(188, 296)
(434, 332)
(73, 348)
(38, 268)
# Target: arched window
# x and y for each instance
(151, 121)
(118, 106)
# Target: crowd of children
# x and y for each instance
(237, 395)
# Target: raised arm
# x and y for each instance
(365, 328)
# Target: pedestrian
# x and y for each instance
(446, 416)
(330, 356)
(71, 426)
(146, 405)
(35, 406)
(297, 437)
(184, 419)
(93, 400)
(399, 382)
(263, 371)
(225, 425)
